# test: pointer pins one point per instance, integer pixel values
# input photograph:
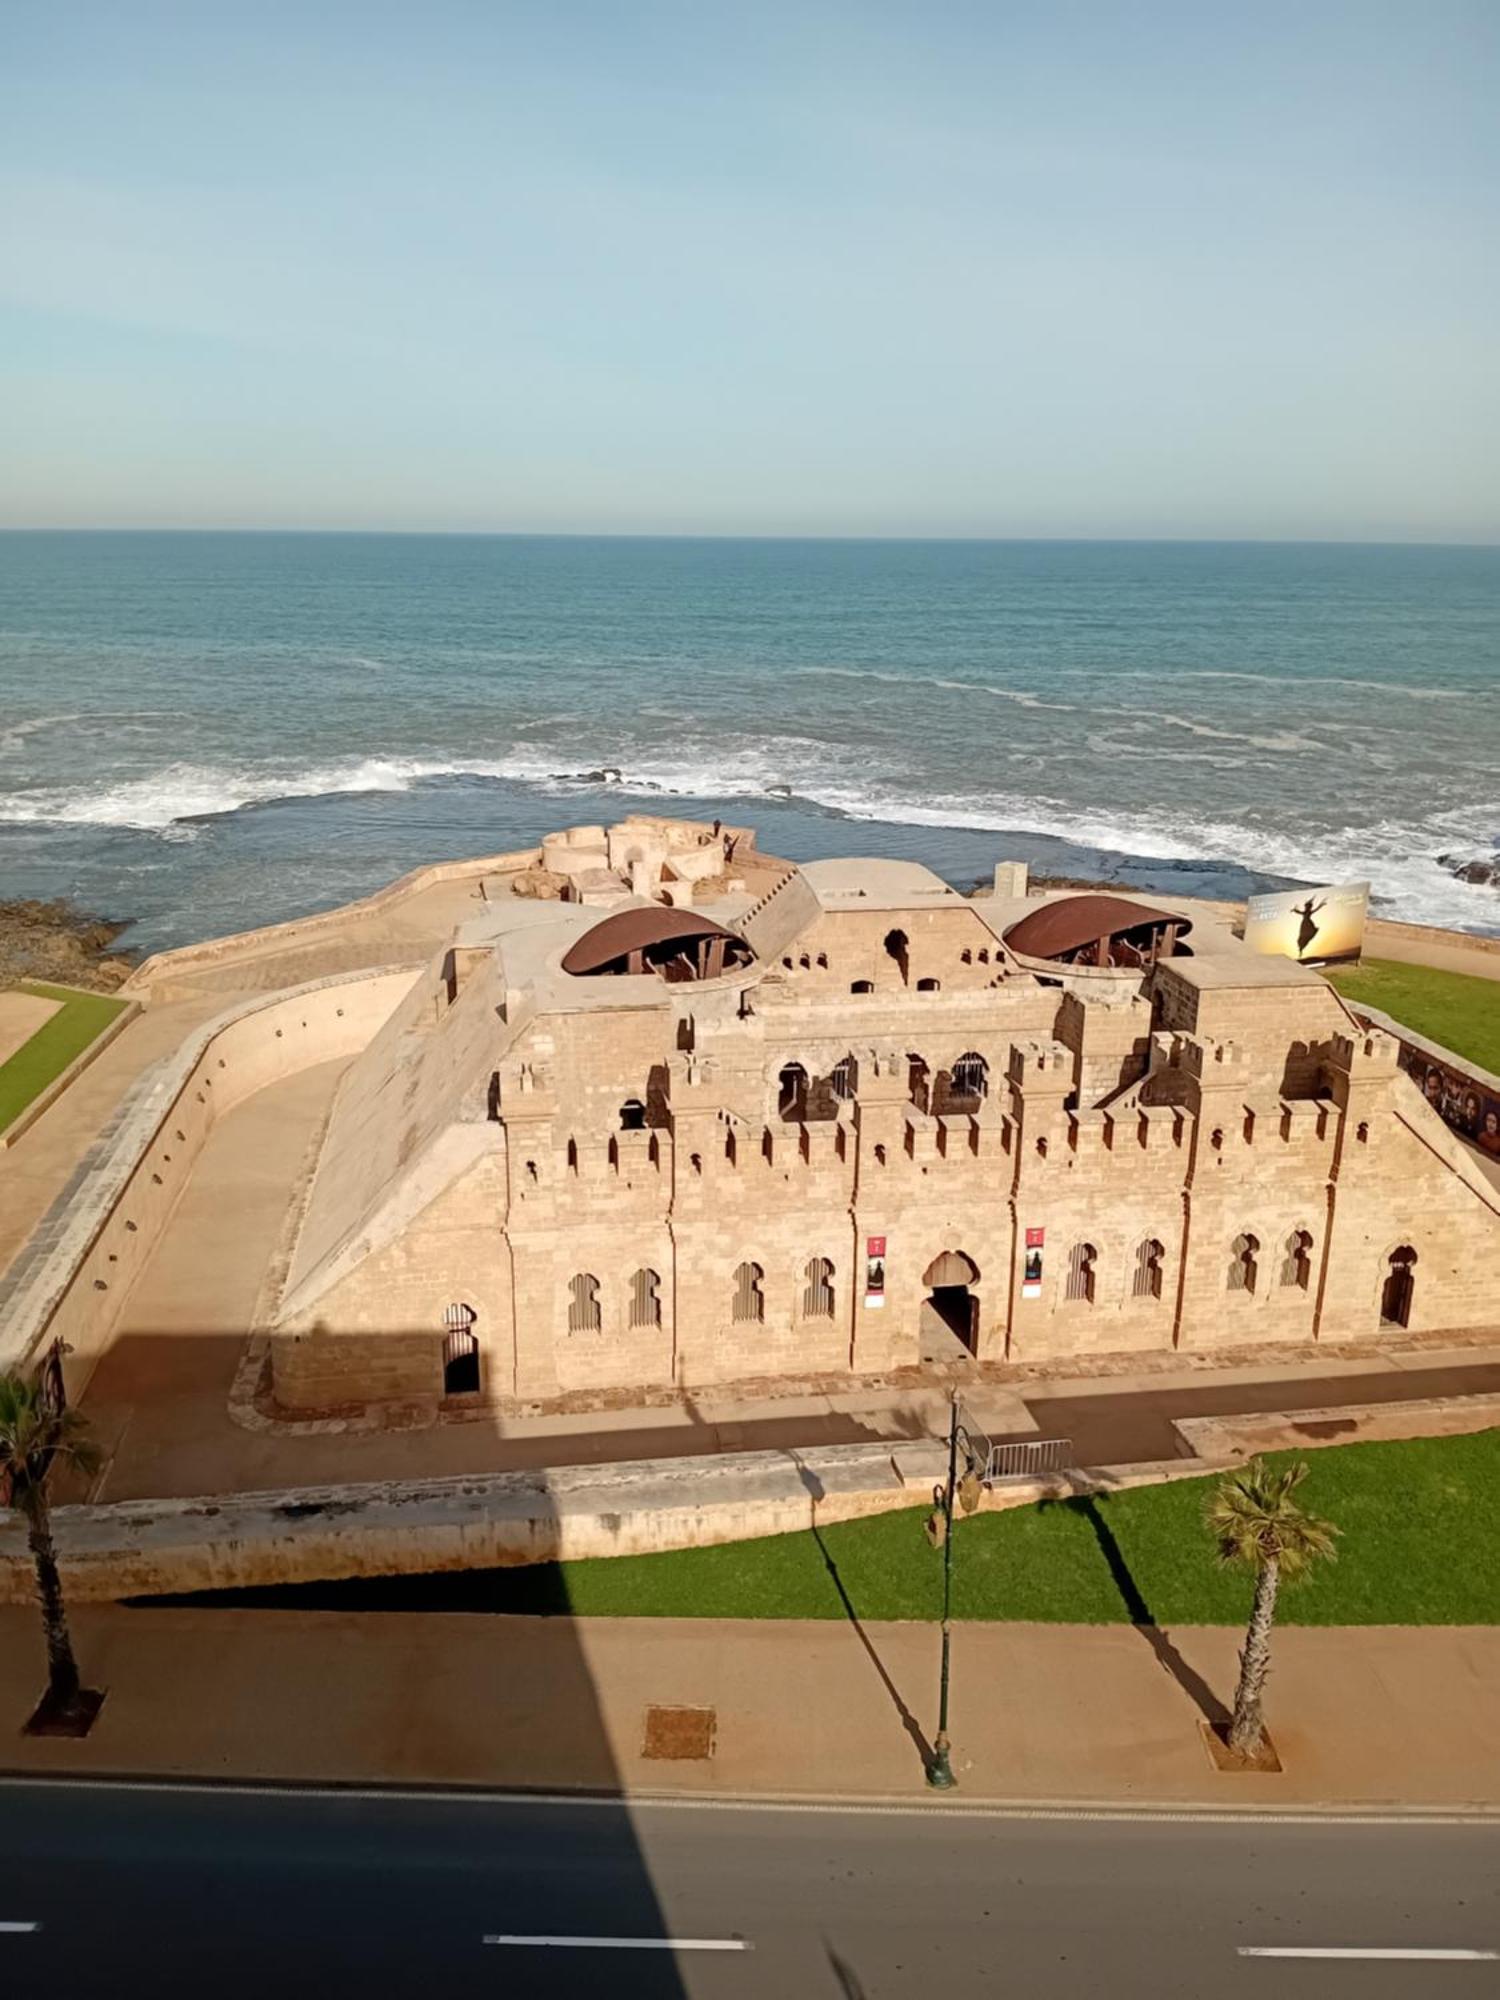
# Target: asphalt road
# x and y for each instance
(173, 1892)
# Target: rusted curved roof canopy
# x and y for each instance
(632, 930)
(1077, 920)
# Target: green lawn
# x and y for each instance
(77, 1021)
(1461, 1012)
(1420, 1521)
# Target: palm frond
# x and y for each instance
(34, 1435)
(1255, 1517)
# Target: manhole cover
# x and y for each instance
(679, 1733)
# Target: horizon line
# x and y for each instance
(728, 535)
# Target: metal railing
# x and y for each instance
(1027, 1458)
(1023, 1459)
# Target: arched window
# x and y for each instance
(966, 957)
(817, 1293)
(460, 1351)
(1242, 1263)
(1400, 1284)
(928, 985)
(971, 1077)
(843, 1080)
(1296, 1266)
(749, 1295)
(984, 956)
(791, 1092)
(645, 1299)
(572, 1156)
(1081, 1272)
(822, 961)
(632, 1115)
(862, 986)
(584, 1315)
(1148, 1263)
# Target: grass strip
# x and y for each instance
(79, 1019)
(1454, 1008)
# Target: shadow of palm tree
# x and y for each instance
(1091, 1507)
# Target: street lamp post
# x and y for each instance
(940, 1769)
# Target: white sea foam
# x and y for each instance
(1022, 697)
(1283, 739)
(1398, 855)
(1310, 683)
(14, 734)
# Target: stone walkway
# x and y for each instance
(1358, 1715)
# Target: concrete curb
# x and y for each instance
(968, 1804)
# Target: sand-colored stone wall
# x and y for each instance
(155, 972)
(73, 1282)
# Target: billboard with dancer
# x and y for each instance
(1314, 926)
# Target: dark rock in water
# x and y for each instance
(607, 774)
(1472, 869)
(56, 941)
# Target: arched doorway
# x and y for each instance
(1400, 1284)
(950, 1312)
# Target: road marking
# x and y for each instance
(19, 1927)
(629, 1944)
(878, 1807)
(1354, 1951)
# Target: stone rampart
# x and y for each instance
(229, 1542)
(75, 1273)
(184, 959)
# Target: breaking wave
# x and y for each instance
(1398, 855)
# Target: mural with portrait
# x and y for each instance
(1463, 1104)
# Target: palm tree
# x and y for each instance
(1255, 1519)
(34, 1436)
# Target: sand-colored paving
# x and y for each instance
(21, 1014)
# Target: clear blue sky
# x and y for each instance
(998, 268)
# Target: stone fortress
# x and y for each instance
(669, 1113)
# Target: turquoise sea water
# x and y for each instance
(205, 731)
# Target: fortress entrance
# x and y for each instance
(950, 1312)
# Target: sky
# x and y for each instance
(938, 268)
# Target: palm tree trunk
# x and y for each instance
(1247, 1728)
(62, 1668)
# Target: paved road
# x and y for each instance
(1118, 1429)
(222, 1894)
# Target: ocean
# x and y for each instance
(200, 732)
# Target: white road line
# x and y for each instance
(1355, 1951)
(635, 1803)
(629, 1944)
(19, 1927)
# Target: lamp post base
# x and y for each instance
(939, 1771)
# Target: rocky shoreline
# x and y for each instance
(57, 941)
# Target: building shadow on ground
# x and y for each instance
(417, 1707)
(1090, 1507)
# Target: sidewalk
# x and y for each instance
(1360, 1716)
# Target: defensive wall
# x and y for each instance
(644, 1507)
(155, 974)
(72, 1279)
